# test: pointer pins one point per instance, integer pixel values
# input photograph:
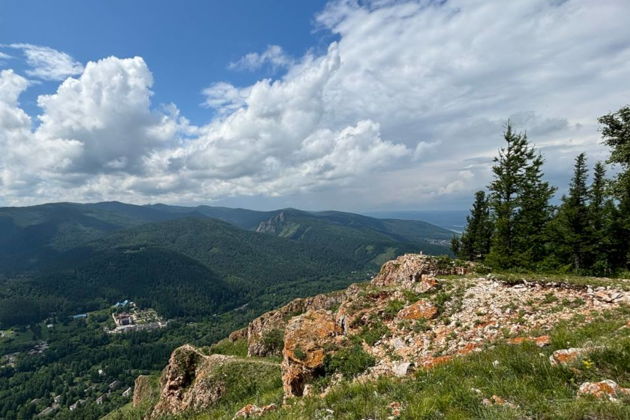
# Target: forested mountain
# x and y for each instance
(67, 258)
(32, 237)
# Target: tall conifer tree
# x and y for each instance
(574, 220)
(616, 134)
(474, 244)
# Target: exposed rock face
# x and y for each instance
(305, 339)
(273, 225)
(415, 271)
(180, 385)
(422, 309)
(262, 329)
(141, 390)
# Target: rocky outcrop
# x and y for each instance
(416, 272)
(406, 319)
(273, 225)
(264, 334)
(142, 390)
(305, 340)
(181, 387)
(194, 381)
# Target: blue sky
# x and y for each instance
(360, 105)
(187, 45)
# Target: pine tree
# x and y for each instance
(575, 233)
(474, 244)
(601, 214)
(519, 201)
(616, 134)
(534, 213)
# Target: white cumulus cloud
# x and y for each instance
(405, 110)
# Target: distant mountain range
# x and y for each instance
(188, 261)
(454, 220)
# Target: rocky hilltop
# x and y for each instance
(418, 313)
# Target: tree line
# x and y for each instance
(513, 225)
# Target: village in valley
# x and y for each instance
(128, 317)
(103, 384)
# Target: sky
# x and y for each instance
(350, 105)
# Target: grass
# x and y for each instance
(574, 280)
(523, 376)
(520, 374)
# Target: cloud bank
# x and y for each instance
(405, 110)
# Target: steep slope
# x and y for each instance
(415, 344)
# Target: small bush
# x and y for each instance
(273, 340)
(372, 333)
(299, 353)
(349, 361)
(392, 309)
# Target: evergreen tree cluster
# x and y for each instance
(514, 225)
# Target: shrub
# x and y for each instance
(349, 361)
(392, 308)
(372, 333)
(273, 340)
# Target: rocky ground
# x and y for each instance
(419, 312)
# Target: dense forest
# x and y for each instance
(514, 225)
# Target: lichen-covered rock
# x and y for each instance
(422, 309)
(567, 356)
(603, 389)
(264, 331)
(415, 271)
(541, 341)
(305, 339)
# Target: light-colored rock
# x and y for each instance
(401, 369)
(408, 270)
(567, 356)
(603, 389)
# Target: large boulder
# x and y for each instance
(305, 340)
(416, 272)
